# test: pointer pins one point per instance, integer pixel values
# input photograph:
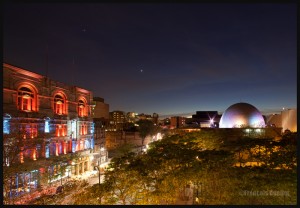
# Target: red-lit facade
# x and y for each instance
(36, 107)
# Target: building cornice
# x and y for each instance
(23, 71)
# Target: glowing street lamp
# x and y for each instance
(99, 164)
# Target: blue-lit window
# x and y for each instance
(73, 126)
(73, 146)
(5, 126)
(87, 144)
(92, 128)
(92, 143)
(47, 126)
(60, 148)
(47, 151)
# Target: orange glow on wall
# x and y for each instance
(81, 145)
(85, 129)
(64, 130)
(42, 170)
(21, 157)
(56, 148)
(70, 146)
(34, 154)
(64, 144)
(77, 146)
(33, 130)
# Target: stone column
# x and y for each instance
(77, 169)
(82, 167)
(88, 165)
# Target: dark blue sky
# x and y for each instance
(174, 58)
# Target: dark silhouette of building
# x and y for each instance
(209, 119)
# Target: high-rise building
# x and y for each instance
(99, 108)
(117, 120)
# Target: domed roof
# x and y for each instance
(241, 115)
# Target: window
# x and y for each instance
(29, 130)
(59, 105)
(60, 130)
(81, 108)
(47, 125)
(26, 99)
(47, 150)
(6, 125)
(83, 129)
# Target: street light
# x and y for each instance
(198, 187)
(68, 170)
(99, 168)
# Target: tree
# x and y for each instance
(122, 150)
(92, 195)
(145, 128)
(159, 176)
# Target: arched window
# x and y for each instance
(59, 104)
(26, 99)
(81, 108)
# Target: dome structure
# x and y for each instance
(241, 115)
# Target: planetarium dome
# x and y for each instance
(241, 115)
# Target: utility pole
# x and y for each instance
(99, 164)
(99, 169)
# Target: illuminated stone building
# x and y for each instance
(59, 114)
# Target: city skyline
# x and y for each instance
(171, 59)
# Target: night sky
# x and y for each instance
(171, 59)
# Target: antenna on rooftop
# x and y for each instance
(46, 59)
(47, 55)
(73, 71)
